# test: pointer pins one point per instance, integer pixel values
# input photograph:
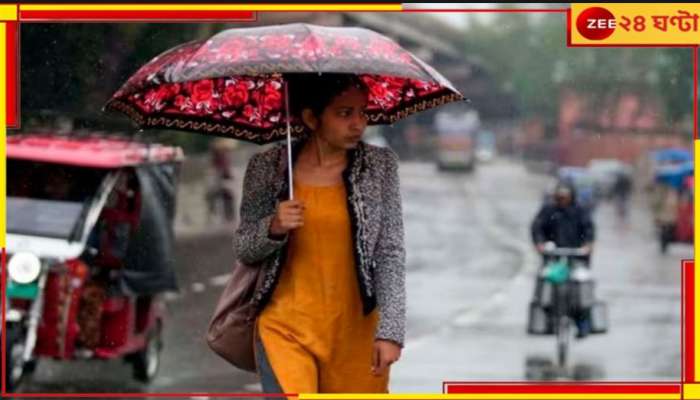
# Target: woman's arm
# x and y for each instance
(252, 242)
(390, 256)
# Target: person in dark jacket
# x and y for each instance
(566, 224)
(563, 222)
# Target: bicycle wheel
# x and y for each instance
(563, 336)
(562, 325)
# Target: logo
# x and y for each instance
(596, 23)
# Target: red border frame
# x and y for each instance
(562, 388)
(132, 16)
(688, 322)
(12, 73)
(688, 290)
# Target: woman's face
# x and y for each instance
(342, 123)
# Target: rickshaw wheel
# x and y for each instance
(147, 361)
(14, 374)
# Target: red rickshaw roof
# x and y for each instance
(88, 151)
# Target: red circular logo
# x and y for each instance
(596, 23)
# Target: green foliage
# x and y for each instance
(528, 54)
(71, 70)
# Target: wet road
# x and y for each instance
(473, 290)
(470, 278)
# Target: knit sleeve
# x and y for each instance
(390, 257)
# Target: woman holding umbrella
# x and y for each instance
(331, 298)
(321, 330)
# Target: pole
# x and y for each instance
(289, 141)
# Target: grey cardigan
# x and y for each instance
(374, 203)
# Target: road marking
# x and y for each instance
(485, 214)
(253, 387)
(165, 381)
(171, 296)
(220, 280)
(662, 291)
(198, 287)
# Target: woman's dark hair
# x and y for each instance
(316, 92)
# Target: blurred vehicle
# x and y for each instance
(374, 137)
(485, 146)
(564, 295)
(583, 183)
(456, 128)
(672, 204)
(89, 244)
(659, 158)
(605, 173)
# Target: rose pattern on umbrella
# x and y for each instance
(258, 101)
(310, 48)
(220, 53)
(232, 83)
(236, 93)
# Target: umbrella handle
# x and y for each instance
(289, 142)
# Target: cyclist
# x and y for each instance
(566, 224)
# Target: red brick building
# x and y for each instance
(622, 123)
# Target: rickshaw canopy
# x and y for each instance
(148, 264)
(89, 151)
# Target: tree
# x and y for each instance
(530, 57)
(72, 69)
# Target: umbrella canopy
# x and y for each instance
(677, 155)
(233, 84)
(674, 175)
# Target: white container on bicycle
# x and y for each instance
(582, 287)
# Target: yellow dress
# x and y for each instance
(315, 335)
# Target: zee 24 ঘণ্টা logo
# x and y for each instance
(596, 23)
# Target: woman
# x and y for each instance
(332, 298)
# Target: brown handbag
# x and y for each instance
(231, 329)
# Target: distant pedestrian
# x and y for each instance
(621, 193)
(220, 187)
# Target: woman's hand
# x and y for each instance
(384, 354)
(289, 215)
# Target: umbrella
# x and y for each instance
(674, 175)
(674, 154)
(235, 84)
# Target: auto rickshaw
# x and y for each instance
(673, 204)
(89, 249)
